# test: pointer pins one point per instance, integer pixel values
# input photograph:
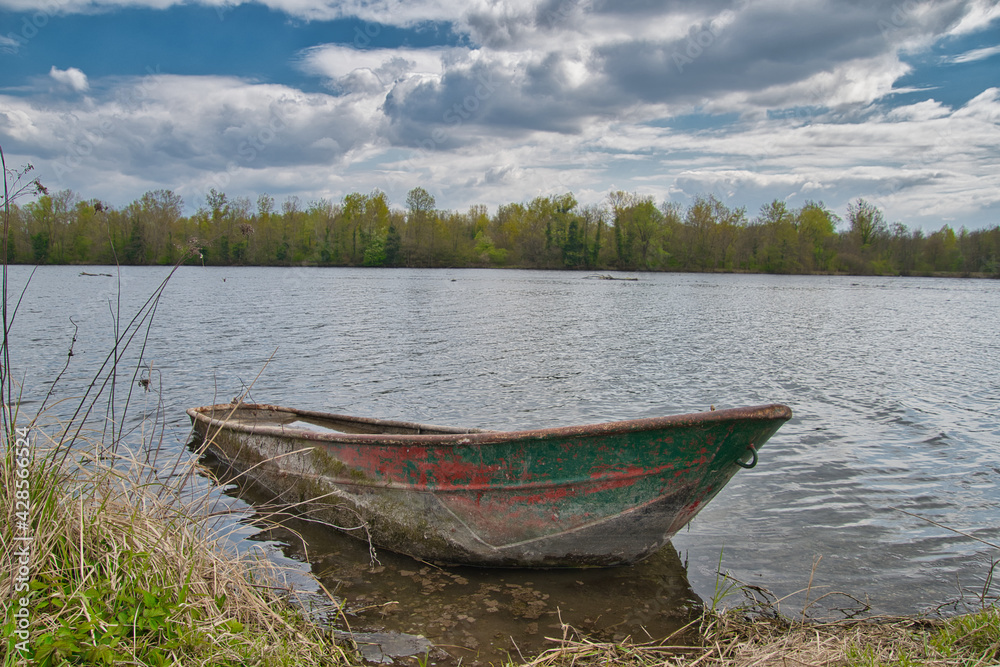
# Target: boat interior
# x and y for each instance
(320, 422)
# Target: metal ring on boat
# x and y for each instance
(753, 461)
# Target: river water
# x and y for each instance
(894, 383)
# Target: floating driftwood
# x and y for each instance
(604, 276)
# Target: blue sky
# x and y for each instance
(484, 102)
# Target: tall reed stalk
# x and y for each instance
(105, 557)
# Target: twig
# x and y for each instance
(941, 525)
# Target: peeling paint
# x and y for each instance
(605, 494)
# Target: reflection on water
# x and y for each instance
(481, 615)
(893, 382)
(397, 606)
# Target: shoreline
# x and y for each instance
(962, 275)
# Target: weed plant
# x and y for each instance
(107, 555)
(123, 572)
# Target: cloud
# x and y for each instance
(921, 161)
(541, 97)
(386, 12)
(187, 133)
(71, 77)
(737, 60)
(9, 44)
(976, 16)
(560, 65)
(336, 62)
(926, 110)
(973, 56)
(985, 107)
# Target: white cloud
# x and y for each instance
(193, 133)
(187, 133)
(387, 12)
(550, 96)
(71, 77)
(978, 15)
(336, 61)
(9, 44)
(985, 106)
(974, 55)
(926, 110)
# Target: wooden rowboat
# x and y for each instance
(597, 495)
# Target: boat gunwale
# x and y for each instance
(765, 412)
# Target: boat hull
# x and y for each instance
(598, 495)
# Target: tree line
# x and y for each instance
(627, 231)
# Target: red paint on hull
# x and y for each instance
(602, 494)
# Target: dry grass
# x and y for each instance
(736, 641)
(738, 638)
(105, 557)
(123, 570)
(758, 634)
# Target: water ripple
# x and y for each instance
(893, 382)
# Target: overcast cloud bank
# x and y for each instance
(749, 100)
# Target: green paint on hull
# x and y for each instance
(604, 494)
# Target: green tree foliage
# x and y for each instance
(421, 223)
(628, 231)
(639, 231)
(50, 219)
(708, 237)
(393, 246)
(375, 254)
(817, 229)
(152, 222)
(40, 247)
(778, 251)
(867, 222)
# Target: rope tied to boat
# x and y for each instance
(753, 461)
